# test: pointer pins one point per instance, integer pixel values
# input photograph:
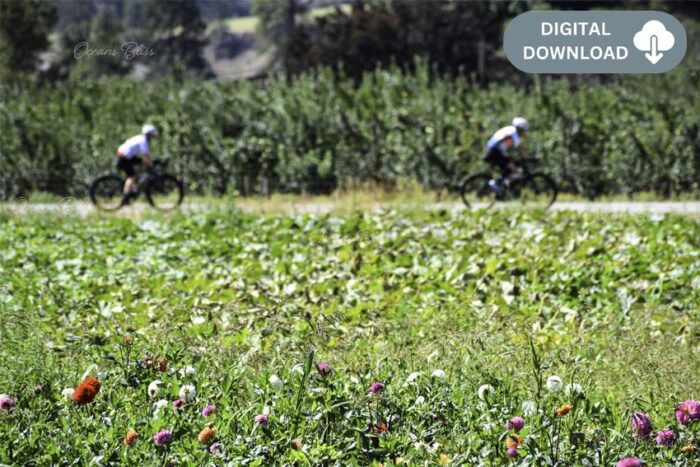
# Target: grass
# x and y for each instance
(500, 300)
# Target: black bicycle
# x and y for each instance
(527, 188)
(163, 190)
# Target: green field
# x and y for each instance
(464, 318)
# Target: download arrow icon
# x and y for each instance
(655, 55)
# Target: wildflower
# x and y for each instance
(158, 406)
(130, 437)
(208, 410)
(484, 391)
(515, 423)
(188, 371)
(215, 449)
(665, 438)
(444, 460)
(296, 442)
(160, 364)
(688, 448)
(188, 392)
(514, 441)
(7, 403)
(629, 462)
(376, 388)
(276, 383)
(86, 391)
(206, 435)
(163, 437)
(564, 409)
(127, 340)
(412, 377)
(439, 374)
(641, 425)
(687, 412)
(573, 390)
(554, 383)
(177, 403)
(529, 408)
(399, 461)
(381, 428)
(67, 393)
(512, 453)
(324, 369)
(154, 388)
(262, 420)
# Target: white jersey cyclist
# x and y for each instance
(131, 154)
(134, 147)
(504, 139)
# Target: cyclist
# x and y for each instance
(134, 152)
(506, 138)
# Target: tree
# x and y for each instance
(105, 39)
(174, 30)
(24, 32)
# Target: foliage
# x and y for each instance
(638, 133)
(224, 301)
(24, 30)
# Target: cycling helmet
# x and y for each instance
(149, 129)
(519, 122)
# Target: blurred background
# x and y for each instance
(314, 96)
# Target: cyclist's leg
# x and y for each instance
(497, 159)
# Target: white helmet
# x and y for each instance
(149, 129)
(519, 122)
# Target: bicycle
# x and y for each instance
(531, 189)
(163, 190)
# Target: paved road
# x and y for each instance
(81, 208)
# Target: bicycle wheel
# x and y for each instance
(106, 192)
(164, 192)
(535, 191)
(476, 192)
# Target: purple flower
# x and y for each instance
(376, 388)
(208, 410)
(665, 437)
(7, 403)
(163, 437)
(515, 423)
(325, 369)
(177, 403)
(641, 425)
(262, 420)
(512, 452)
(687, 412)
(629, 462)
(215, 449)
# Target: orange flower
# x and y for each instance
(381, 428)
(688, 448)
(130, 437)
(207, 434)
(160, 364)
(564, 409)
(513, 441)
(86, 391)
(296, 442)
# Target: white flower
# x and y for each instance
(188, 371)
(68, 393)
(554, 383)
(573, 389)
(529, 408)
(412, 377)
(439, 374)
(161, 404)
(188, 392)
(420, 400)
(484, 391)
(276, 383)
(298, 369)
(154, 388)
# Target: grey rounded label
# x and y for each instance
(595, 42)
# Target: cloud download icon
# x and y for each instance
(654, 38)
